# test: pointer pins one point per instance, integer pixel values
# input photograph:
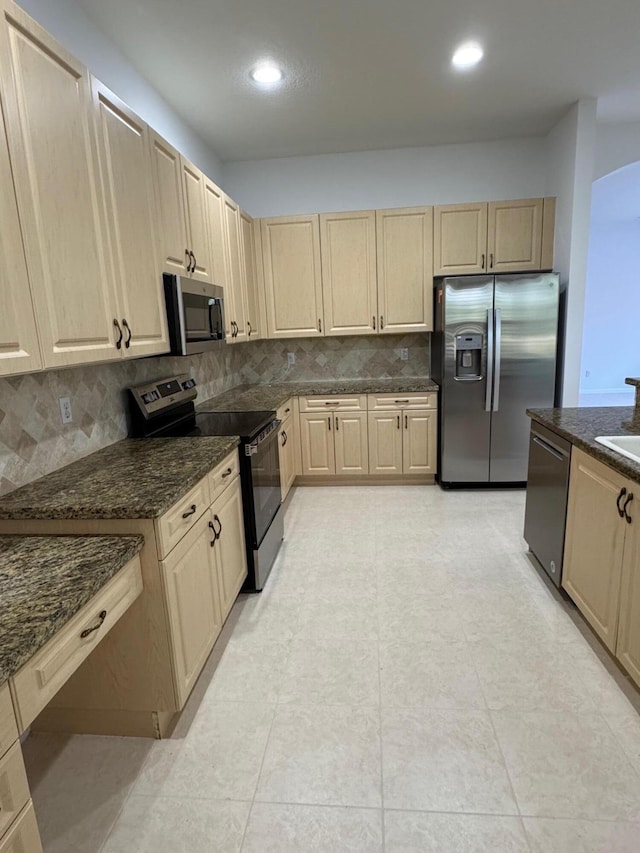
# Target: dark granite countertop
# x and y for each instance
(633, 380)
(134, 478)
(45, 581)
(266, 397)
(581, 426)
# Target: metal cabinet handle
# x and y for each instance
(319, 325)
(400, 402)
(406, 421)
(627, 517)
(219, 530)
(189, 511)
(213, 530)
(188, 254)
(374, 322)
(381, 322)
(120, 334)
(126, 326)
(101, 617)
(337, 423)
(482, 262)
(329, 422)
(623, 492)
(491, 261)
(249, 329)
(193, 261)
(286, 411)
(398, 421)
(227, 473)
(285, 438)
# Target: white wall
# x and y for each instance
(395, 178)
(570, 153)
(610, 350)
(73, 28)
(617, 145)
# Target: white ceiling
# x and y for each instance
(367, 74)
(616, 197)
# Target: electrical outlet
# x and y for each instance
(291, 359)
(587, 374)
(404, 354)
(65, 410)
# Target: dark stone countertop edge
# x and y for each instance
(587, 443)
(633, 380)
(39, 635)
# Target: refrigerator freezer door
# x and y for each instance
(465, 425)
(526, 320)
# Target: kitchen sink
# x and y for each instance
(625, 445)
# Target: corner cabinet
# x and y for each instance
(494, 237)
(46, 94)
(292, 274)
(405, 270)
(127, 180)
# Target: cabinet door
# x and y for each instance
(515, 235)
(419, 442)
(250, 275)
(460, 239)
(235, 298)
(293, 283)
(48, 112)
(405, 270)
(385, 442)
(594, 544)
(197, 226)
(125, 165)
(170, 211)
(19, 349)
(23, 837)
(214, 206)
(351, 443)
(193, 603)
(628, 643)
(230, 547)
(316, 438)
(349, 279)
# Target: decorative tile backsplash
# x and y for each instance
(33, 440)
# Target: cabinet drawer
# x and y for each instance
(379, 402)
(171, 527)
(14, 787)
(344, 402)
(285, 410)
(8, 727)
(223, 475)
(23, 837)
(40, 678)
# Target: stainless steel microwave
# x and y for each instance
(195, 314)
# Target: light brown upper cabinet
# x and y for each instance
(250, 276)
(235, 291)
(349, 280)
(170, 212)
(505, 236)
(198, 240)
(214, 207)
(46, 95)
(125, 166)
(405, 264)
(19, 349)
(293, 280)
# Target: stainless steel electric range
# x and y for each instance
(166, 408)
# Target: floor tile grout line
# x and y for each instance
(382, 820)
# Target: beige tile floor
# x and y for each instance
(406, 682)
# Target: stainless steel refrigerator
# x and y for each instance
(494, 356)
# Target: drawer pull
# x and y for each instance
(227, 473)
(398, 402)
(189, 511)
(286, 411)
(101, 617)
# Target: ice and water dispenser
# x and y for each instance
(468, 357)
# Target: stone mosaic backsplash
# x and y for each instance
(33, 440)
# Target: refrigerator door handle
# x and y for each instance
(496, 360)
(490, 350)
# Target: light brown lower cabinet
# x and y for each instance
(23, 837)
(229, 550)
(287, 455)
(403, 441)
(316, 437)
(601, 570)
(334, 443)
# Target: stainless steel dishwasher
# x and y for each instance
(547, 491)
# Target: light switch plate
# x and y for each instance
(404, 354)
(65, 409)
(291, 358)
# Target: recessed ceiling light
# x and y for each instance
(467, 55)
(267, 73)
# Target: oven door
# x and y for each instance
(195, 312)
(263, 484)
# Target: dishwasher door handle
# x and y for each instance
(559, 454)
